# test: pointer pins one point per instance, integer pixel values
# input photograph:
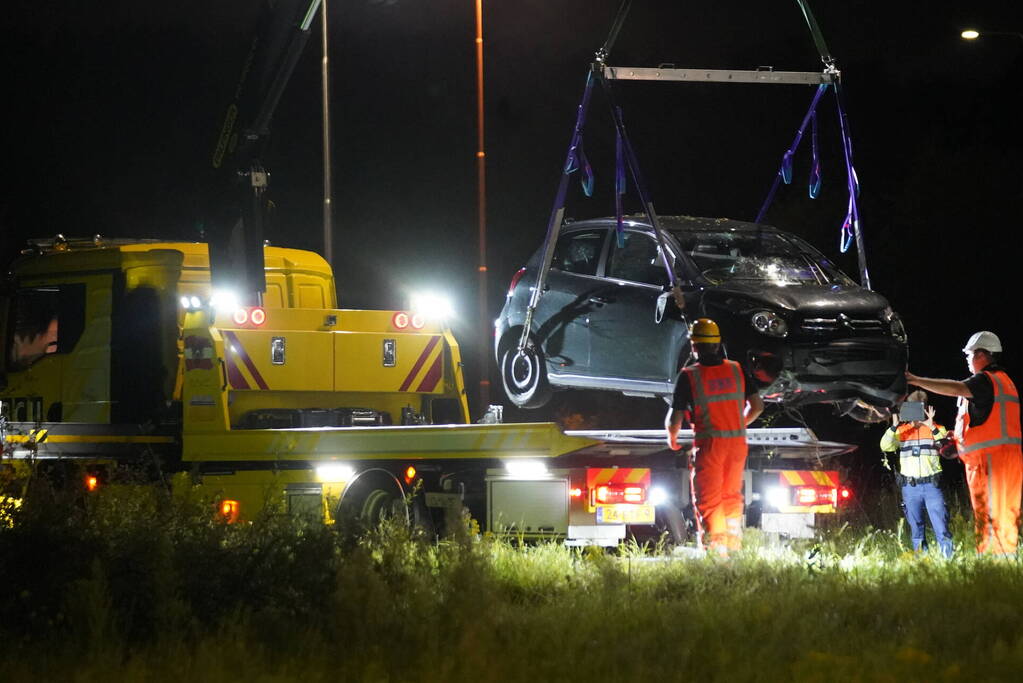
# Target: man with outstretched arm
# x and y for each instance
(718, 398)
(987, 434)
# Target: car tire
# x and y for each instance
(524, 376)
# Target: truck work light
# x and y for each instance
(432, 306)
(335, 472)
(658, 496)
(525, 468)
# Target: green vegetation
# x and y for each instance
(131, 584)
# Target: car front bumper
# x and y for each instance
(871, 369)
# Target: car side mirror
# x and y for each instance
(666, 299)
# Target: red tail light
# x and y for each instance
(844, 494)
(400, 320)
(820, 495)
(608, 494)
(515, 280)
(254, 315)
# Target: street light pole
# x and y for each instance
(328, 227)
(481, 207)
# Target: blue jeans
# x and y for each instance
(915, 499)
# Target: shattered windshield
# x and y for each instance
(768, 257)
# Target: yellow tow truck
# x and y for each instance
(127, 354)
(118, 356)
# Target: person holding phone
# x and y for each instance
(914, 435)
(988, 437)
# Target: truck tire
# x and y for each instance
(524, 377)
(371, 498)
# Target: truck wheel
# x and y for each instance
(671, 520)
(373, 497)
(524, 376)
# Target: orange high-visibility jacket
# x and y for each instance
(1000, 429)
(719, 402)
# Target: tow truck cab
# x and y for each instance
(93, 333)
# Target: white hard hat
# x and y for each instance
(984, 340)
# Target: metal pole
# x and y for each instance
(481, 203)
(328, 228)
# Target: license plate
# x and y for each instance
(625, 514)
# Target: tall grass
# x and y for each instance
(136, 585)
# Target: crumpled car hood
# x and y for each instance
(816, 298)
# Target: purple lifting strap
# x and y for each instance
(785, 171)
(619, 189)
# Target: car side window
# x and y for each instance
(579, 252)
(638, 261)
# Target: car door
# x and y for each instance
(629, 341)
(562, 317)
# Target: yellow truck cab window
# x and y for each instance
(47, 319)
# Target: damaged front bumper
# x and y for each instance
(870, 370)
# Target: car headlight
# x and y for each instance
(769, 323)
(895, 324)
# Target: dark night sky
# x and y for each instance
(112, 109)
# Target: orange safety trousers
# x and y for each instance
(719, 454)
(716, 473)
(995, 478)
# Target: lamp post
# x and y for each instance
(481, 207)
(328, 227)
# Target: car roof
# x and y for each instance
(695, 223)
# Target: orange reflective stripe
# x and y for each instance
(598, 476)
(1001, 428)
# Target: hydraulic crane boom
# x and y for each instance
(237, 210)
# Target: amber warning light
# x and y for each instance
(229, 509)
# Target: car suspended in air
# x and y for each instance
(807, 332)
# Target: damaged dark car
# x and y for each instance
(606, 320)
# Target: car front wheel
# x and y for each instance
(524, 376)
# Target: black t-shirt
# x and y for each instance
(983, 395)
(683, 398)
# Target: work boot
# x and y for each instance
(718, 546)
(734, 536)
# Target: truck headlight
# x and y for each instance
(769, 323)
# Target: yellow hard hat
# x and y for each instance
(705, 331)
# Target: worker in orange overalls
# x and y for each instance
(718, 398)
(987, 434)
